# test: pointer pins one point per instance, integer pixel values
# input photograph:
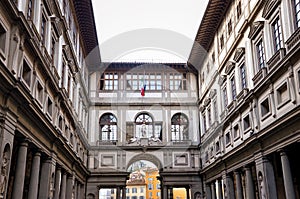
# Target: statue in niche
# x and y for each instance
(3, 176)
(262, 186)
(197, 195)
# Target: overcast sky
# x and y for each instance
(137, 29)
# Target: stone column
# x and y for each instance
(213, 190)
(69, 187)
(118, 194)
(47, 179)
(187, 189)
(249, 184)
(57, 183)
(79, 191)
(239, 189)
(287, 176)
(220, 194)
(124, 192)
(171, 192)
(228, 187)
(75, 189)
(34, 176)
(17, 192)
(63, 186)
(208, 191)
(164, 193)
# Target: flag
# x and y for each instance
(143, 87)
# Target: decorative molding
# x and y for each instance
(212, 93)
(222, 79)
(269, 8)
(239, 54)
(229, 67)
(255, 28)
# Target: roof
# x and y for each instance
(85, 18)
(211, 20)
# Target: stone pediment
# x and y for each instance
(229, 67)
(238, 54)
(255, 28)
(269, 8)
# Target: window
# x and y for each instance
(215, 110)
(109, 81)
(217, 146)
(52, 52)
(229, 26)
(127, 190)
(134, 190)
(236, 131)
(227, 139)
(265, 107)
(2, 38)
(29, 9)
(26, 73)
(222, 41)
(246, 122)
(144, 126)
(150, 186)
(204, 122)
(108, 127)
(209, 117)
(43, 29)
(158, 186)
(39, 92)
(243, 76)
(225, 98)
(141, 197)
(297, 12)
(260, 54)
(178, 81)
(233, 87)
(277, 34)
(133, 197)
(152, 81)
(142, 190)
(60, 123)
(179, 127)
(238, 9)
(213, 57)
(49, 106)
(282, 94)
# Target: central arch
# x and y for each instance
(147, 157)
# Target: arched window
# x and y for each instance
(108, 127)
(144, 126)
(179, 127)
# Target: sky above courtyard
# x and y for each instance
(147, 30)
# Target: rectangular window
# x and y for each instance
(238, 9)
(215, 110)
(52, 49)
(109, 81)
(204, 122)
(150, 186)
(178, 81)
(2, 38)
(246, 122)
(217, 146)
(265, 107)
(233, 88)
(260, 54)
(49, 106)
(276, 27)
(297, 12)
(43, 29)
(222, 41)
(225, 98)
(29, 9)
(39, 92)
(134, 190)
(236, 131)
(282, 94)
(243, 76)
(142, 190)
(26, 73)
(209, 116)
(227, 138)
(229, 26)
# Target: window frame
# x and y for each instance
(112, 125)
(182, 125)
(261, 105)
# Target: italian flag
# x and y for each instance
(143, 88)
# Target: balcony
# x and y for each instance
(294, 40)
(274, 60)
(262, 73)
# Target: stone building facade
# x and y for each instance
(249, 99)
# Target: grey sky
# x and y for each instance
(116, 17)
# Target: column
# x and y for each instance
(239, 189)
(287, 176)
(219, 185)
(171, 192)
(249, 184)
(63, 186)
(17, 192)
(34, 176)
(228, 187)
(124, 192)
(69, 187)
(208, 191)
(118, 193)
(164, 193)
(79, 191)
(57, 183)
(213, 190)
(187, 192)
(75, 189)
(45, 189)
